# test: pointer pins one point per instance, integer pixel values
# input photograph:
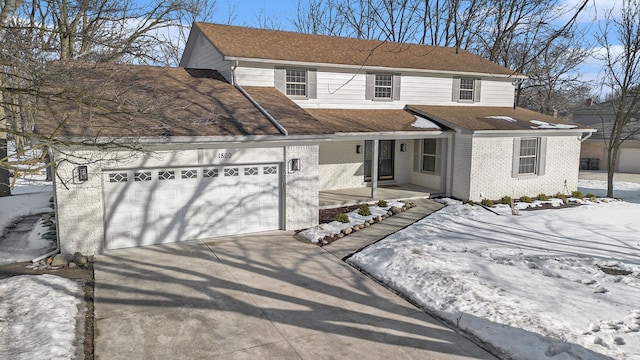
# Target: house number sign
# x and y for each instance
(224, 155)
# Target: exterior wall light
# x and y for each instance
(295, 165)
(358, 149)
(83, 174)
(403, 147)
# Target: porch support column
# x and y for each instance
(374, 168)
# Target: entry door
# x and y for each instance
(386, 155)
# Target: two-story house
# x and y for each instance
(308, 117)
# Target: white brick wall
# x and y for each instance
(462, 148)
(340, 166)
(301, 188)
(491, 168)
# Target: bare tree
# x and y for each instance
(620, 42)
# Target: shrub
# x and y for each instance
(590, 195)
(343, 218)
(505, 200)
(562, 197)
(470, 202)
(525, 199)
(593, 198)
(364, 210)
(487, 202)
(543, 197)
(382, 203)
(577, 194)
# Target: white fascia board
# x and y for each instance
(371, 68)
(531, 132)
(392, 135)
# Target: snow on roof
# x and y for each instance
(546, 125)
(506, 118)
(423, 123)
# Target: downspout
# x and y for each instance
(255, 103)
(583, 138)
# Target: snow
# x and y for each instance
(39, 316)
(318, 232)
(505, 118)
(30, 196)
(546, 125)
(530, 285)
(423, 123)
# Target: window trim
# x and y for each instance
(475, 90)
(287, 82)
(370, 86)
(280, 82)
(540, 157)
(376, 87)
(419, 154)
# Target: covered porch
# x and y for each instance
(362, 195)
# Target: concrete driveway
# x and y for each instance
(265, 296)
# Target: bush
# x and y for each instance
(470, 202)
(487, 202)
(382, 203)
(593, 198)
(543, 197)
(505, 200)
(577, 194)
(343, 218)
(525, 199)
(562, 197)
(364, 210)
(590, 195)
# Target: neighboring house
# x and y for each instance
(593, 154)
(298, 115)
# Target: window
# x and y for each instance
(383, 88)
(430, 156)
(296, 82)
(528, 158)
(466, 90)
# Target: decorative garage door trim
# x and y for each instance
(165, 205)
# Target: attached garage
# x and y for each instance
(629, 160)
(171, 204)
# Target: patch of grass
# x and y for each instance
(382, 203)
(577, 194)
(505, 200)
(543, 197)
(343, 218)
(364, 210)
(487, 202)
(525, 199)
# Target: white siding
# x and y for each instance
(206, 56)
(344, 89)
(340, 166)
(492, 161)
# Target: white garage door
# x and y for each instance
(153, 206)
(629, 161)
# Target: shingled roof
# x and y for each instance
(107, 100)
(476, 118)
(250, 43)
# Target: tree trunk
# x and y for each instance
(612, 154)
(5, 180)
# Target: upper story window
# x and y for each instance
(296, 83)
(466, 90)
(382, 86)
(529, 156)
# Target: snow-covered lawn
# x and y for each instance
(530, 285)
(39, 316)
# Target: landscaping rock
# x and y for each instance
(389, 213)
(79, 259)
(340, 236)
(366, 224)
(62, 260)
(72, 265)
(371, 221)
(379, 218)
(395, 210)
(347, 231)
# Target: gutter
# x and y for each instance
(255, 103)
(583, 138)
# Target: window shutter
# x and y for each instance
(416, 155)
(516, 157)
(312, 85)
(456, 90)
(396, 86)
(371, 79)
(476, 90)
(279, 79)
(542, 155)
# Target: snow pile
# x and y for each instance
(39, 316)
(545, 125)
(29, 247)
(335, 227)
(561, 283)
(505, 118)
(423, 123)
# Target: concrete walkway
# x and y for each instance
(265, 296)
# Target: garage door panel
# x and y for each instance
(156, 206)
(629, 160)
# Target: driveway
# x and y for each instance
(264, 296)
(602, 175)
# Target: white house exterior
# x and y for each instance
(305, 114)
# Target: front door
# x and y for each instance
(385, 159)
